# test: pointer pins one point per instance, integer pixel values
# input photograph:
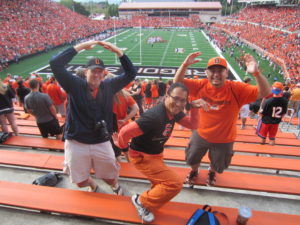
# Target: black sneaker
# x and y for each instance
(144, 213)
(190, 179)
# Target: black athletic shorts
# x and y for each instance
(52, 127)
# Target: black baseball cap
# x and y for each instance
(94, 63)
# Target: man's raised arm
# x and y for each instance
(189, 60)
(263, 85)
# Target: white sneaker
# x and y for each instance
(144, 213)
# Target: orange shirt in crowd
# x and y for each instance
(128, 86)
(26, 83)
(218, 125)
(143, 88)
(44, 86)
(120, 109)
(15, 85)
(39, 79)
(154, 91)
(56, 94)
(295, 94)
(7, 79)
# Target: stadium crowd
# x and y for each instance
(29, 27)
(285, 18)
(281, 45)
(235, 47)
(32, 26)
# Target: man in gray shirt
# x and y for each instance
(42, 108)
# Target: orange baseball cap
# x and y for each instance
(217, 61)
(277, 88)
(277, 85)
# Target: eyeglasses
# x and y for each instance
(178, 99)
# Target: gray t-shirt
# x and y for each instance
(39, 103)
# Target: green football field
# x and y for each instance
(175, 46)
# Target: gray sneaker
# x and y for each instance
(144, 213)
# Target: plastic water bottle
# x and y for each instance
(244, 214)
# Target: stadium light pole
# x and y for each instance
(73, 6)
(226, 8)
(231, 7)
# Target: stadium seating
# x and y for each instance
(27, 126)
(286, 18)
(37, 142)
(97, 205)
(235, 180)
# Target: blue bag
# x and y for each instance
(203, 216)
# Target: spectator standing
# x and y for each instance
(148, 96)
(22, 91)
(7, 78)
(149, 134)
(42, 108)
(124, 108)
(254, 108)
(294, 102)
(221, 99)
(57, 95)
(89, 122)
(161, 90)
(136, 93)
(14, 84)
(168, 84)
(272, 113)
(286, 93)
(7, 109)
(81, 73)
(244, 112)
(154, 93)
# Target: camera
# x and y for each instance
(101, 129)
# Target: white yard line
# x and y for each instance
(165, 52)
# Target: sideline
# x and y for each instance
(237, 77)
